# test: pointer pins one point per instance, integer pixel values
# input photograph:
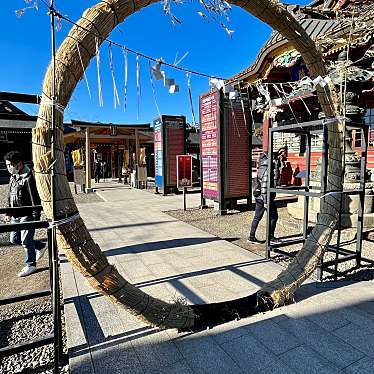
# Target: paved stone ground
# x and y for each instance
(234, 227)
(328, 330)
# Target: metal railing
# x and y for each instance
(54, 290)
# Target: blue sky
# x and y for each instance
(26, 53)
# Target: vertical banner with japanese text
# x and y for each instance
(158, 152)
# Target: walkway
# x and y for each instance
(330, 329)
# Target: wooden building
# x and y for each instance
(15, 129)
(329, 23)
(118, 145)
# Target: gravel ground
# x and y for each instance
(30, 319)
(234, 227)
(25, 321)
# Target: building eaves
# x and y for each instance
(314, 27)
(77, 123)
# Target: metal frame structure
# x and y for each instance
(53, 291)
(307, 190)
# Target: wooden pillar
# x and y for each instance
(137, 146)
(88, 158)
(137, 157)
(112, 162)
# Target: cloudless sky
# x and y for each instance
(26, 53)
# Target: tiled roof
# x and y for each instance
(314, 28)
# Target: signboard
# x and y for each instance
(79, 176)
(174, 144)
(158, 152)
(225, 144)
(209, 127)
(184, 171)
(113, 130)
(169, 141)
(237, 154)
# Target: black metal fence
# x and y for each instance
(342, 254)
(53, 291)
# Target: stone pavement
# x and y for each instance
(330, 329)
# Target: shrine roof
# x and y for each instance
(142, 126)
(330, 34)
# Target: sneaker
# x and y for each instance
(274, 240)
(255, 241)
(27, 270)
(40, 252)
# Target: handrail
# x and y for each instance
(7, 210)
(23, 226)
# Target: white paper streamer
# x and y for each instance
(101, 101)
(138, 88)
(115, 92)
(188, 76)
(84, 70)
(151, 71)
(243, 110)
(126, 77)
(60, 108)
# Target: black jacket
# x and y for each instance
(262, 175)
(23, 192)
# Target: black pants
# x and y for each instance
(259, 212)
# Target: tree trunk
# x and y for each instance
(73, 236)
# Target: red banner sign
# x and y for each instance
(184, 171)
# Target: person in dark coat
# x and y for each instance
(22, 193)
(261, 202)
(97, 171)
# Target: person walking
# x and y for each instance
(97, 171)
(22, 192)
(260, 193)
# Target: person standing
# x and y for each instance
(280, 167)
(22, 192)
(261, 202)
(97, 171)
